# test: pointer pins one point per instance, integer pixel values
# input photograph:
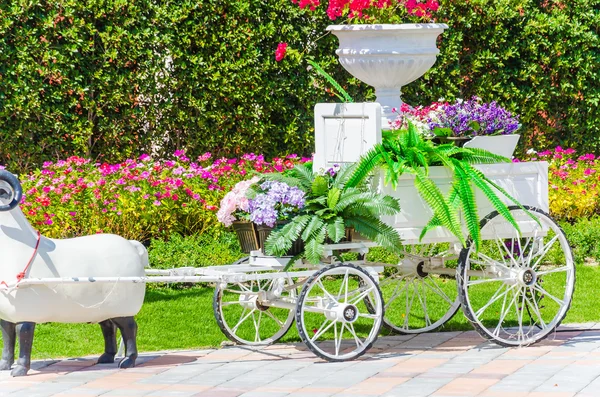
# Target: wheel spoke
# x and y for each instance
(320, 284)
(544, 251)
(520, 316)
(343, 286)
(436, 289)
(395, 295)
(359, 343)
(338, 342)
(423, 302)
(556, 270)
(408, 307)
(257, 326)
(494, 298)
(322, 329)
(244, 318)
(533, 304)
(278, 321)
(487, 280)
(362, 295)
(230, 303)
(504, 313)
(491, 262)
(538, 288)
(368, 315)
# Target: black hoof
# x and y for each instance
(5, 365)
(127, 363)
(106, 359)
(19, 370)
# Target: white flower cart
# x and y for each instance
(515, 290)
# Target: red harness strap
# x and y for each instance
(21, 276)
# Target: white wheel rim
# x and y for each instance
(416, 303)
(335, 338)
(525, 283)
(248, 324)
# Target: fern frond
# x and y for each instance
(313, 247)
(336, 230)
(468, 205)
(366, 164)
(304, 174)
(376, 230)
(312, 228)
(331, 81)
(434, 197)
(480, 156)
(344, 175)
(280, 241)
(484, 184)
(432, 224)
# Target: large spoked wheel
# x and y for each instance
(517, 289)
(245, 314)
(332, 318)
(421, 293)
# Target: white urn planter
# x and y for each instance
(388, 57)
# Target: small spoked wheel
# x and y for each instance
(420, 293)
(332, 318)
(245, 311)
(517, 289)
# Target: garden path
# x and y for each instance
(434, 364)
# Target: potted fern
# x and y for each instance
(331, 206)
(406, 151)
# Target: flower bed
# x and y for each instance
(573, 182)
(138, 198)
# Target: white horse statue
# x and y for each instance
(27, 254)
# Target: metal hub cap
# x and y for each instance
(350, 313)
(528, 277)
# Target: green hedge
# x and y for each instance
(109, 79)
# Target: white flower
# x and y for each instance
(531, 151)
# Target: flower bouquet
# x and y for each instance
(255, 207)
(462, 121)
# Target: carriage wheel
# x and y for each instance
(243, 312)
(332, 318)
(417, 300)
(517, 289)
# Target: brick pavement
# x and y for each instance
(436, 364)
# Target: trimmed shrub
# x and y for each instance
(109, 80)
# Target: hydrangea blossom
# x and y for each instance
(235, 200)
(277, 201)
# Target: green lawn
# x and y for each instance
(183, 318)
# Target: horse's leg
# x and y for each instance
(128, 328)
(109, 331)
(25, 332)
(8, 350)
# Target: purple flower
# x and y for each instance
(471, 118)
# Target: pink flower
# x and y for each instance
(157, 202)
(280, 52)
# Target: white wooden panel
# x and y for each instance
(526, 182)
(344, 132)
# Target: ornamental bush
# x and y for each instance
(137, 199)
(112, 80)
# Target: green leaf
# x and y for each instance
(336, 230)
(319, 186)
(333, 197)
